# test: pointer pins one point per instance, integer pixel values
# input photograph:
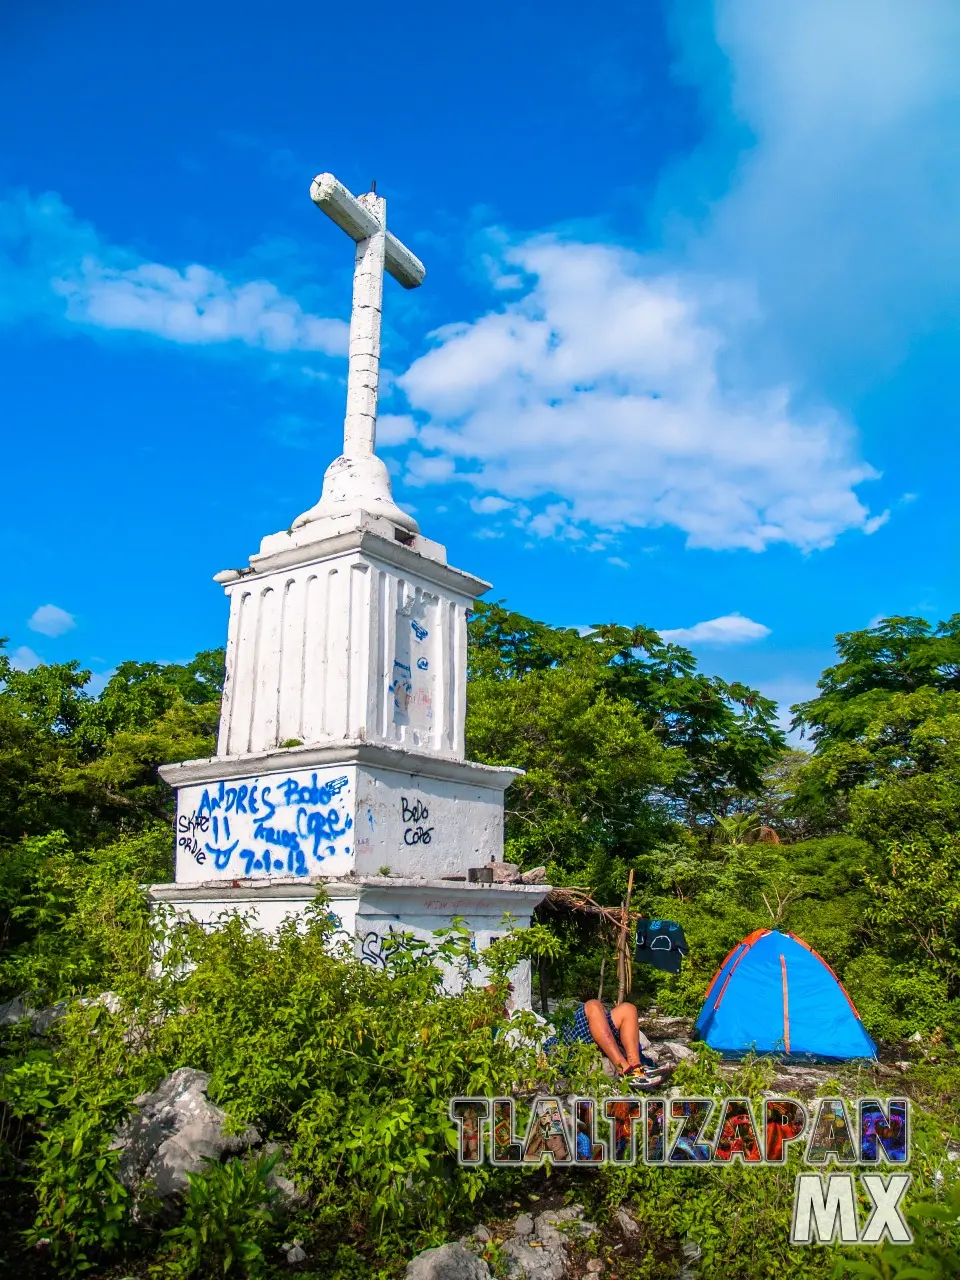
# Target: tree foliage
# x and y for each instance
(87, 765)
(899, 655)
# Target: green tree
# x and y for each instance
(727, 733)
(899, 655)
(86, 765)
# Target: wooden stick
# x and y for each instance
(603, 965)
(623, 961)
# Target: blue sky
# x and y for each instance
(687, 349)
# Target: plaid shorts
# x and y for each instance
(578, 1032)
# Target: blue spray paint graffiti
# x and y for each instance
(286, 826)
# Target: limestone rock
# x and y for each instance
(626, 1222)
(42, 1020)
(504, 872)
(666, 1028)
(483, 1234)
(448, 1262)
(13, 1011)
(175, 1130)
(536, 875)
(287, 1191)
(523, 1225)
(678, 1050)
(544, 1254)
(548, 1222)
(534, 1260)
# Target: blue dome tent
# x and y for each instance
(774, 994)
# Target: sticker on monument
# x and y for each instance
(413, 679)
(401, 688)
(280, 824)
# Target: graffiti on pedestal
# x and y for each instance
(414, 815)
(266, 826)
(412, 685)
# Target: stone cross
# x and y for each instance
(364, 219)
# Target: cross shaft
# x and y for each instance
(364, 219)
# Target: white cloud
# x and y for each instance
(394, 429)
(831, 179)
(807, 245)
(876, 522)
(55, 266)
(50, 620)
(195, 306)
(490, 505)
(24, 659)
(732, 628)
(598, 398)
(616, 560)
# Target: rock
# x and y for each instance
(523, 1225)
(13, 1011)
(678, 1050)
(594, 1267)
(626, 1222)
(44, 1019)
(572, 1215)
(504, 872)
(174, 1131)
(41, 1020)
(483, 1234)
(448, 1262)
(534, 1260)
(544, 1254)
(287, 1191)
(296, 1253)
(666, 1028)
(537, 875)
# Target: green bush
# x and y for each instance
(350, 1068)
(227, 1219)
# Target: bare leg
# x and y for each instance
(627, 1021)
(603, 1036)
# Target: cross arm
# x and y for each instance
(349, 214)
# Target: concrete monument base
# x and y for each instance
(369, 909)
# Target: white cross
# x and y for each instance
(364, 219)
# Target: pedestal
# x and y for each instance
(340, 758)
